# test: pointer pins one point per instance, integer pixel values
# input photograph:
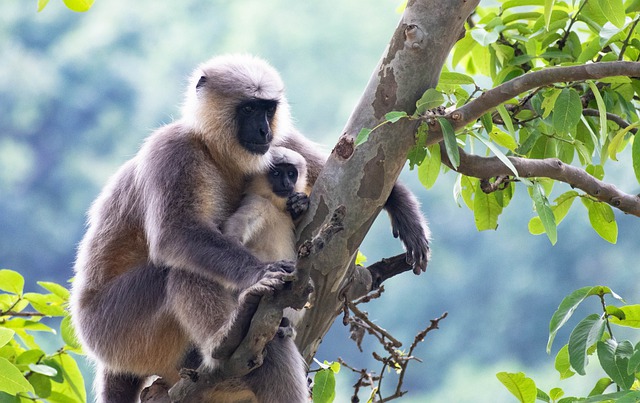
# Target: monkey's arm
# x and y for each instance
(248, 220)
(408, 224)
(183, 204)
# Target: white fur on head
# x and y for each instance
(229, 80)
(235, 78)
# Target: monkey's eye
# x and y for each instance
(275, 173)
(291, 174)
(247, 109)
(271, 111)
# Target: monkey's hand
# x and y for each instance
(414, 238)
(286, 329)
(297, 204)
(273, 277)
(408, 224)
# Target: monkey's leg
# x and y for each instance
(283, 375)
(202, 307)
(118, 388)
(126, 327)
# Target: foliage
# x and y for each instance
(324, 382)
(586, 122)
(27, 372)
(591, 337)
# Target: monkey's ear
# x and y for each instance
(201, 82)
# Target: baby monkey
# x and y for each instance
(265, 221)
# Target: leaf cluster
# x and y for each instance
(591, 337)
(27, 373)
(583, 122)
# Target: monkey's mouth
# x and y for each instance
(256, 148)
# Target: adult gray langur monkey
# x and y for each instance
(154, 274)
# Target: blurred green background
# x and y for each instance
(80, 92)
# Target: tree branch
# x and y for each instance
(487, 167)
(365, 174)
(492, 98)
(610, 116)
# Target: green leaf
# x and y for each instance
(11, 281)
(523, 388)
(601, 386)
(42, 4)
(614, 359)
(22, 324)
(43, 369)
(450, 143)
(562, 364)
(486, 210)
(363, 136)
(616, 143)
(608, 33)
(597, 171)
(56, 289)
(468, 187)
(79, 5)
(589, 52)
(614, 312)
(504, 139)
(429, 170)
(11, 379)
(545, 213)
(548, 8)
(30, 357)
(5, 335)
(635, 155)
(41, 385)
(567, 111)
(569, 305)
(487, 122)
(73, 385)
(602, 109)
(429, 100)
(556, 393)
(69, 334)
(583, 336)
(613, 10)
(603, 221)
(634, 361)
(49, 304)
(506, 118)
(549, 101)
(542, 396)
(324, 386)
(631, 316)
(394, 116)
(484, 37)
(618, 397)
(453, 78)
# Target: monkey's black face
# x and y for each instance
(254, 124)
(282, 178)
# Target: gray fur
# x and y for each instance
(154, 275)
